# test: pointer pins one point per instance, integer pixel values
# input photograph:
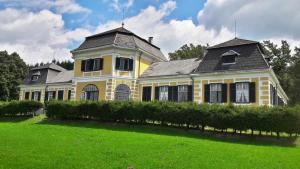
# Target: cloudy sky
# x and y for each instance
(42, 30)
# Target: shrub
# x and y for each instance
(222, 117)
(19, 108)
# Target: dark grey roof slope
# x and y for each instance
(250, 57)
(49, 66)
(234, 42)
(120, 37)
(49, 73)
(177, 67)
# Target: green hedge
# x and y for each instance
(221, 117)
(19, 108)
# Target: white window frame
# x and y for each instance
(242, 89)
(36, 96)
(182, 93)
(163, 93)
(50, 95)
(215, 89)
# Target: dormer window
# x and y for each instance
(35, 76)
(229, 57)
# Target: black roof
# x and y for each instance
(233, 42)
(250, 57)
(120, 37)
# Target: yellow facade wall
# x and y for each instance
(107, 65)
(77, 70)
(141, 66)
(101, 85)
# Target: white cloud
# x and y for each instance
(256, 19)
(37, 36)
(168, 35)
(119, 5)
(60, 6)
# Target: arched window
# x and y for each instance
(90, 92)
(122, 92)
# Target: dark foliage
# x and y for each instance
(220, 117)
(13, 71)
(19, 108)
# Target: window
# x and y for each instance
(92, 65)
(124, 64)
(60, 95)
(90, 92)
(146, 93)
(36, 96)
(228, 59)
(242, 92)
(122, 92)
(182, 93)
(215, 93)
(163, 93)
(274, 97)
(69, 95)
(51, 95)
(27, 95)
(34, 77)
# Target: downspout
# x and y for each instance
(193, 83)
(139, 70)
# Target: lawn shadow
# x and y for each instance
(180, 132)
(14, 119)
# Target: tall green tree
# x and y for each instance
(187, 52)
(281, 59)
(13, 70)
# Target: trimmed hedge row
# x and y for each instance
(221, 117)
(19, 108)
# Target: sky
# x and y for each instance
(42, 30)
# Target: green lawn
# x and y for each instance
(36, 143)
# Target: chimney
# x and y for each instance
(150, 39)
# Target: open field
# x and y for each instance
(39, 143)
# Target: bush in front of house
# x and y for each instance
(220, 117)
(19, 108)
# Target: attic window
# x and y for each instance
(35, 76)
(229, 57)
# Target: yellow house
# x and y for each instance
(119, 65)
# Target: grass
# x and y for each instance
(39, 143)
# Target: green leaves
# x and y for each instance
(222, 117)
(188, 52)
(13, 71)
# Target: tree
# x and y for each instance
(187, 52)
(281, 59)
(286, 66)
(13, 70)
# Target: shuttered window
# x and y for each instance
(69, 94)
(36, 96)
(60, 95)
(242, 92)
(27, 95)
(50, 95)
(146, 93)
(92, 65)
(163, 93)
(215, 93)
(124, 64)
(182, 93)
